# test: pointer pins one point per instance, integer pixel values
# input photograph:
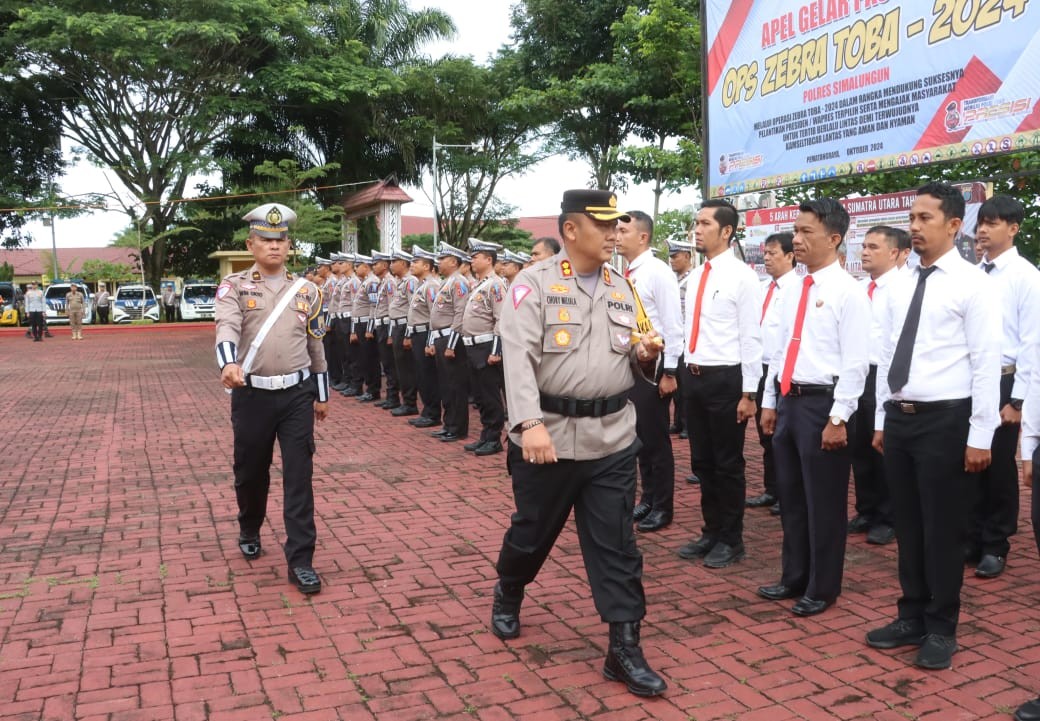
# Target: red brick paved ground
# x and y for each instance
(123, 595)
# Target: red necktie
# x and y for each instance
(796, 338)
(697, 308)
(870, 290)
(628, 272)
(769, 297)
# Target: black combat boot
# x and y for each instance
(625, 661)
(505, 611)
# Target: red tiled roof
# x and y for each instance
(37, 261)
(384, 190)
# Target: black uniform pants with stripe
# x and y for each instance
(405, 363)
(868, 466)
(679, 418)
(453, 375)
(334, 343)
(656, 459)
(602, 493)
(766, 442)
(996, 508)
(488, 390)
(814, 497)
(258, 418)
(386, 360)
(367, 360)
(931, 503)
(717, 450)
(426, 375)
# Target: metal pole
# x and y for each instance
(54, 250)
(436, 195)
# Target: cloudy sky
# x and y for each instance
(482, 28)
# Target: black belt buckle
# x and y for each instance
(694, 369)
(794, 390)
(908, 408)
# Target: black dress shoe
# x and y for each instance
(381, 404)
(859, 524)
(249, 546)
(473, 446)
(936, 652)
(655, 521)
(641, 511)
(766, 499)
(697, 549)
(774, 510)
(990, 566)
(505, 611)
(692, 478)
(350, 392)
(451, 437)
(390, 406)
(1029, 711)
(366, 398)
(305, 579)
(488, 448)
(881, 535)
(779, 592)
(339, 387)
(806, 606)
(405, 411)
(901, 632)
(723, 555)
(439, 433)
(424, 422)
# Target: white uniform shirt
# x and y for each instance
(835, 338)
(882, 293)
(683, 280)
(1017, 283)
(1031, 406)
(730, 310)
(658, 290)
(772, 343)
(956, 352)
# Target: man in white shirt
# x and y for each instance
(1030, 711)
(658, 291)
(680, 257)
(938, 391)
(882, 246)
(1017, 285)
(778, 256)
(815, 380)
(723, 362)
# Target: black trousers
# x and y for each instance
(258, 417)
(367, 354)
(814, 496)
(489, 390)
(996, 508)
(873, 501)
(386, 360)
(426, 375)
(405, 364)
(333, 343)
(170, 312)
(102, 312)
(679, 400)
(717, 450)
(453, 378)
(602, 494)
(351, 372)
(656, 460)
(766, 442)
(1035, 507)
(931, 501)
(36, 324)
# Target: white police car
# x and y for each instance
(197, 301)
(57, 313)
(134, 302)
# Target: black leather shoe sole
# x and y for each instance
(423, 423)
(642, 691)
(488, 448)
(760, 501)
(640, 512)
(806, 606)
(779, 592)
(654, 522)
(304, 585)
(472, 446)
(250, 547)
(990, 566)
(451, 438)
(405, 411)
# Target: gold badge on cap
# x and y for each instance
(274, 216)
(613, 201)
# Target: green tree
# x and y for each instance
(151, 86)
(95, 270)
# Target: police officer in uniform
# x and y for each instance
(75, 305)
(446, 340)
(680, 257)
(387, 284)
(334, 341)
(351, 287)
(102, 300)
(269, 348)
(512, 263)
(363, 330)
(568, 329)
(406, 284)
(483, 346)
(417, 336)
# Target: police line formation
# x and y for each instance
(881, 377)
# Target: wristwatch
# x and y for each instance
(1016, 403)
(749, 396)
(670, 372)
(836, 421)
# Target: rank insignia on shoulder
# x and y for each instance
(256, 275)
(566, 269)
(606, 276)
